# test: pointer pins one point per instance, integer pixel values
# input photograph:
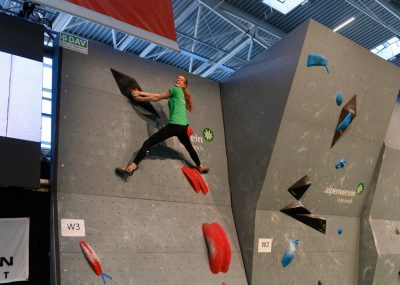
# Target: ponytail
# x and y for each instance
(189, 105)
(188, 100)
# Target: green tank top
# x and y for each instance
(177, 107)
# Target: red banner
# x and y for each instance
(155, 16)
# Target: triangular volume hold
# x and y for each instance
(347, 115)
(126, 84)
(300, 187)
(312, 221)
(295, 208)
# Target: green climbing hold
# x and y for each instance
(360, 187)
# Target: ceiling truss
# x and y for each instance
(206, 49)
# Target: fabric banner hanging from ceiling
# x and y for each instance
(149, 20)
(14, 249)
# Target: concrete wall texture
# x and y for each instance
(146, 230)
(379, 243)
(299, 102)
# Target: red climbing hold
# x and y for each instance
(219, 250)
(200, 180)
(190, 131)
(191, 178)
(195, 179)
(91, 257)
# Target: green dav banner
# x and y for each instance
(74, 43)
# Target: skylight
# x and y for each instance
(284, 6)
(388, 49)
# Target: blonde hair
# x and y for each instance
(188, 100)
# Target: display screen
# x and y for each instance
(21, 80)
(20, 97)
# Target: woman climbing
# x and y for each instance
(178, 102)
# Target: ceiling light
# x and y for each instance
(284, 6)
(345, 23)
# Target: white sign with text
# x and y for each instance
(72, 228)
(14, 250)
(264, 244)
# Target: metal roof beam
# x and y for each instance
(122, 45)
(186, 13)
(76, 23)
(147, 50)
(114, 38)
(226, 57)
(250, 51)
(390, 8)
(196, 28)
(372, 16)
(238, 38)
(208, 45)
(231, 21)
(229, 13)
(206, 60)
(246, 17)
(61, 22)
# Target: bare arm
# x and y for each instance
(145, 96)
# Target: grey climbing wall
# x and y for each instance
(253, 101)
(380, 257)
(288, 128)
(146, 230)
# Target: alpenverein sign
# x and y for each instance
(74, 43)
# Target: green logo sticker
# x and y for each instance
(74, 43)
(360, 187)
(208, 134)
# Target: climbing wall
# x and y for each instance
(291, 121)
(380, 225)
(147, 230)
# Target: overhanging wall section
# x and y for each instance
(302, 146)
(253, 101)
(146, 230)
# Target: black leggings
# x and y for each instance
(166, 132)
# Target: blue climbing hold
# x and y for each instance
(341, 163)
(317, 60)
(344, 124)
(339, 99)
(290, 252)
(340, 230)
